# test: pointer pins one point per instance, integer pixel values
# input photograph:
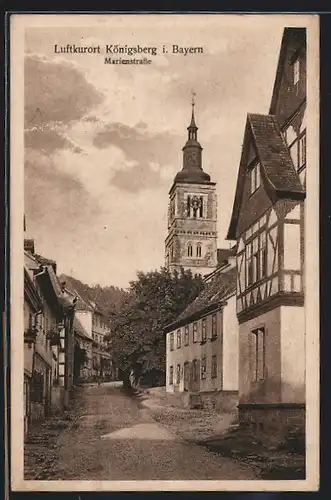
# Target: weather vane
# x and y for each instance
(193, 96)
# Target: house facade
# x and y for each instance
(191, 242)
(32, 307)
(202, 345)
(46, 330)
(101, 333)
(92, 335)
(267, 223)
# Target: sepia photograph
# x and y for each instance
(164, 252)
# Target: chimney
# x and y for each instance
(29, 245)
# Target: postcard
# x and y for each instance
(164, 207)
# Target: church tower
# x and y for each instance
(192, 214)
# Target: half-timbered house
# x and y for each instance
(268, 224)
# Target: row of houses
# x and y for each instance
(242, 341)
(67, 338)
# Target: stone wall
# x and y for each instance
(273, 422)
(223, 401)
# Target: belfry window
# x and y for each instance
(201, 207)
(189, 206)
(194, 206)
(199, 250)
(189, 250)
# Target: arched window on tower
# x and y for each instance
(188, 206)
(201, 207)
(198, 249)
(189, 250)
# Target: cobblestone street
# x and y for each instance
(111, 436)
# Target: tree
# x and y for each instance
(154, 300)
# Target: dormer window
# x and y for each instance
(296, 71)
(255, 177)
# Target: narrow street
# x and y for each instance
(115, 438)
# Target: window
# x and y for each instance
(302, 151)
(171, 341)
(194, 206)
(204, 330)
(186, 335)
(214, 326)
(195, 332)
(172, 209)
(258, 354)
(37, 387)
(189, 250)
(296, 71)
(256, 259)
(195, 371)
(171, 375)
(186, 375)
(204, 367)
(255, 177)
(179, 339)
(188, 206)
(297, 146)
(178, 374)
(214, 366)
(201, 208)
(199, 250)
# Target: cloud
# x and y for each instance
(56, 92)
(54, 199)
(148, 150)
(48, 141)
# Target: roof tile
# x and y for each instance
(222, 285)
(274, 154)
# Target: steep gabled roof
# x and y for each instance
(85, 300)
(274, 154)
(277, 170)
(80, 330)
(44, 261)
(30, 292)
(223, 254)
(215, 291)
(79, 290)
(288, 33)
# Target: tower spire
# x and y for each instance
(192, 128)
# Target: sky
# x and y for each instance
(104, 142)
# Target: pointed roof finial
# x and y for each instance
(192, 124)
(193, 96)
